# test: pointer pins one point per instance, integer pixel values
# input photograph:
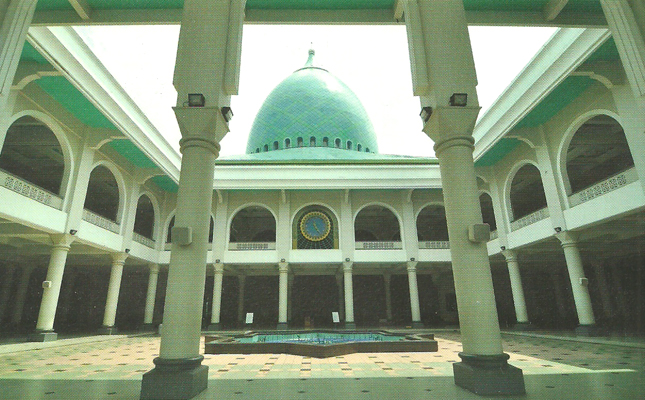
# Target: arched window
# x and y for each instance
(598, 150)
(432, 225)
(170, 225)
(32, 152)
(312, 141)
(287, 143)
(349, 145)
(337, 143)
(144, 220)
(276, 145)
(325, 142)
(488, 215)
(253, 224)
(379, 221)
(359, 147)
(266, 148)
(367, 149)
(300, 142)
(315, 228)
(257, 149)
(527, 192)
(103, 193)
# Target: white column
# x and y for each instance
(414, 294)
(240, 298)
(13, 32)
(218, 276)
(51, 287)
(151, 295)
(118, 259)
(5, 290)
(21, 295)
(284, 287)
(388, 297)
(349, 295)
(521, 314)
(579, 283)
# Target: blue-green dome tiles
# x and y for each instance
(312, 108)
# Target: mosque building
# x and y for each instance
(104, 227)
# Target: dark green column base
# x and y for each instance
(43, 336)
(215, 327)
(350, 325)
(417, 325)
(488, 375)
(283, 326)
(175, 379)
(108, 330)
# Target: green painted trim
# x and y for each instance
(499, 151)
(405, 161)
(131, 153)
(73, 101)
(607, 52)
(165, 183)
(29, 53)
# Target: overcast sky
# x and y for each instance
(372, 60)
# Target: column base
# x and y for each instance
(417, 325)
(488, 375)
(282, 326)
(522, 326)
(107, 330)
(175, 379)
(350, 325)
(147, 328)
(215, 327)
(588, 330)
(43, 336)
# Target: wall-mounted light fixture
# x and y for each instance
(127, 251)
(196, 100)
(72, 232)
(558, 229)
(503, 248)
(425, 114)
(347, 260)
(459, 99)
(217, 261)
(227, 113)
(282, 260)
(412, 259)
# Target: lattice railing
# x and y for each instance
(30, 190)
(100, 221)
(435, 245)
(608, 185)
(252, 246)
(143, 240)
(530, 219)
(379, 245)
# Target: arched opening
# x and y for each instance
(432, 225)
(276, 145)
(367, 149)
(312, 141)
(349, 145)
(527, 193)
(32, 152)
(359, 147)
(598, 150)
(325, 142)
(362, 235)
(102, 194)
(144, 220)
(488, 214)
(287, 143)
(315, 228)
(300, 142)
(253, 224)
(257, 149)
(170, 225)
(266, 148)
(337, 143)
(379, 221)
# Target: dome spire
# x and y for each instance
(310, 60)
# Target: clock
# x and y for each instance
(315, 226)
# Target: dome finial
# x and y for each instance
(310, 60)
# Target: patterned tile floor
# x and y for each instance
(111, 368)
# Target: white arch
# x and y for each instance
(427, 204)
(507, 206)
(232, 216)
(119, 181)
(565, 142)
(61, 136)
(155, 209)
(318, 204)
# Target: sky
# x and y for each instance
(372, 60)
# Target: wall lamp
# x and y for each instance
(196, 100)
(227, 113)
(347, 260)
(412, 259)
(558, 229)
(72, 232)
(459, 99)
(425, 114)
(127, 251)
(217, 261)
(282, 260)
(503, 248)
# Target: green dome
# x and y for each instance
(311, 108)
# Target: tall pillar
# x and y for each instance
(414, 295)
(109, 316)
(151, 295)
(216, 312)
(341, 296)
(439, 46)
(521, 315)
(5, 290)
(388, 297)
(207, 70)
(349, 296)
(282, 296)
(21, 295)
(240, 299)
(579, 283)
(51, 289)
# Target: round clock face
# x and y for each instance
(315, 226)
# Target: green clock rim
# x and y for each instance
(307, 217)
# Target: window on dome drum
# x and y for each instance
(266, 148)
(378, 220)
(257, 150)
(359, 147)
(144, 220)
(349, 145)
(253, 224)
(300, 142)
(314, 228)
(170, 225)
(432, 225)
(527, 193)
(488, 215)
(312, 141)
(337, 143)
(287, 143)
(325, 142)
(598, 150)
(102, 194)
(367, 149)
(276, 145)
(32, 152)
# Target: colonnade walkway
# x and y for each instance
(556, 365)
